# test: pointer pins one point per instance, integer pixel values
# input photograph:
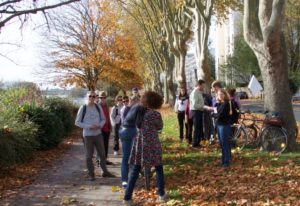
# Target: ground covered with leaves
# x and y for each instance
(24, 174)
(195, 177)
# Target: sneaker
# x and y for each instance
(107, 174)
(163, 198)
(116, 153)
(128, 202)
(124, 185)
(92, 177)
(109, 162)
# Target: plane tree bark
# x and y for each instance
(263, 22)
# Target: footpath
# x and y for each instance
(66, 183)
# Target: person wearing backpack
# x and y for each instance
(91, 119)
(115, 117)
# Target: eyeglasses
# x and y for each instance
(102, 97)
(124, 101)
(91, 96)
(119, 100)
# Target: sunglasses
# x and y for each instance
(124, 101)
(102, 97)
(91, 96)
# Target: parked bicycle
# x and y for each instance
(272, 135)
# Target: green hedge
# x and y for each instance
(17, 140)
(63, 109)
(50, 127)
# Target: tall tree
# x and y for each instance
(263, 23)
(12, 9)
(88, 44)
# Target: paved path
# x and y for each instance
(66, 182)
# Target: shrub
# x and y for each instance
(17, 140)
(63, 109)
(50, 127)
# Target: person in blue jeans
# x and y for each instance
(223, 122)
(147, 151)
(127, 134)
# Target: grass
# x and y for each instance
(194, 176)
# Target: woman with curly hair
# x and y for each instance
(147, 150)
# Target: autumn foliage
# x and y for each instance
(90, 46)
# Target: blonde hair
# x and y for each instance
(226, 97)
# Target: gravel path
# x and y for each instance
(66, 183)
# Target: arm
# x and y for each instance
(159, 122)
(176, 105)
(78, 122)
(113, 115)
(103, 119)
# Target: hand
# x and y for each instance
(94, 127)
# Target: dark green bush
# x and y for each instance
(63, 109)
(50, 127)
(17, 140)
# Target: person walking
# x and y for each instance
(106, 129)
(127, 135)
(115, 117)
(91, 119)
(147, 150)
(180, 106)
(196, 106)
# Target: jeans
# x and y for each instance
(160, 183)
(92, 142)
(198, 127)
(116, 140)
(224, 132)
(127, 136)
(182, 124)
(106, 141)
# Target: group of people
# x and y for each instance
(136, 122)
(201, 114)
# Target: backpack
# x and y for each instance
(140, 116)
(84, 111)
(234, 112)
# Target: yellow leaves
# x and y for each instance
(66, 200)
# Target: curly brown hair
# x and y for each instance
(151, 100)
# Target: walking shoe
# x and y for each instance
(116, 153)
(107, 174)
(109, 162)
(163, 198)
(92, 177)
(124, 185)
(128, 202)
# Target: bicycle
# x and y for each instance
(272, 135)
(239, 136)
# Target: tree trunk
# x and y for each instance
(180, 69)
(269, 48)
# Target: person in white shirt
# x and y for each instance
(180, 108)
(115, 117)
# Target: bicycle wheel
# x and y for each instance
(252, 135)
(274, 139)
(238, 138)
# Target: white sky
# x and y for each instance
(24, 58)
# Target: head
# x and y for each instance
(151, 100)
(216, 86)
(134, 99)
(91, 95)
(118, 100)
(97, 99)
(231, 92)
(182, 91)
(135, 91)
(125, 100)
(201, 84)
(222, 96)
(102, 96)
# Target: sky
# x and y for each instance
(18, 63)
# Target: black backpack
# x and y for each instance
(84, 111)
(235, 112)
